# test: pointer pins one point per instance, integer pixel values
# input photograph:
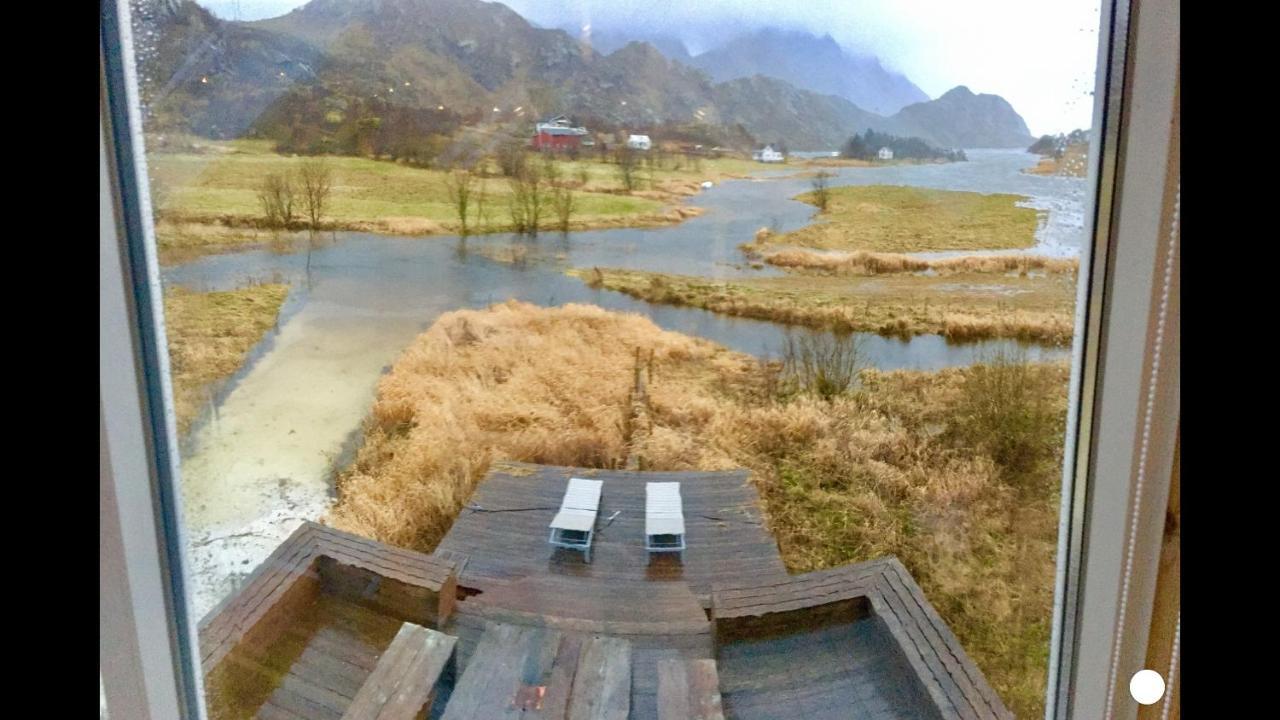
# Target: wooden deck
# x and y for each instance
(536, 672)
(542, 633)
(302, 634)
(403, 684)
(505, 538)
(312, 672)
(409, 586)
(688, 690)
(849, 670)
(881, 590)
(651, 640)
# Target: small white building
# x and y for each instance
(885, 154)
(767, 154)
(639, 142)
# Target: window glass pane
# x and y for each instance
(722, 345)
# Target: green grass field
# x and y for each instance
(219, 183)
(889, 218)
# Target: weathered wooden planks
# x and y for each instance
(931, 655)
(403, 683)
(602, 687)
(725, 531)
(612, 602)
(289, 577)
(545, 636)
(314, 670)
(688, 690)
(851, 669)
(503, 673)
(532, 672)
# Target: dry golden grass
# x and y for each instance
(837, 162)
(960, 306)
(181, 241)
(891, 218)
(1073, 163)
(885, 470)
(870, 263)
(1044, 166)
(209, 336)
(514, 382)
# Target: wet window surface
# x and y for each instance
(426, 263)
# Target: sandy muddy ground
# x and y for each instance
(262, 466)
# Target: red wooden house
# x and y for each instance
(557, 134)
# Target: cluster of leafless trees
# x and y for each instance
(528, 198)
(538, 190)
(289, 198)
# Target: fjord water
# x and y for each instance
(263, 461)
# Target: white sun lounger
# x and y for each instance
(663, 518)
(575, 524)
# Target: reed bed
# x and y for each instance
(873, 263)
(920, 307)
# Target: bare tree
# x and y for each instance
(822, 189)
(276, 198)
(316, 179)
(482, 206)
(563, 204)
(628, 161)
(460, 185)
(528, 199)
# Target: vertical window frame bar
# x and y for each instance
(137, 431)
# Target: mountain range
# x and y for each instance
(338, 68)
(811, 63)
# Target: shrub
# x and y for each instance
(460, 186)
(1004, 412)
(822, 189)
(512, 157)
(824, 364)
(276, 198)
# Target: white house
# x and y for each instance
(767, 154)
(639, 142)
(885, 154)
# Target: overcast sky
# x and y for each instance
(1040, 55)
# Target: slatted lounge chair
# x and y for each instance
(575, 524)
(663, 518)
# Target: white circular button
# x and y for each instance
(1146, 686)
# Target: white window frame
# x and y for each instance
(1126, 375)
(1124, 422)
(147, 640)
